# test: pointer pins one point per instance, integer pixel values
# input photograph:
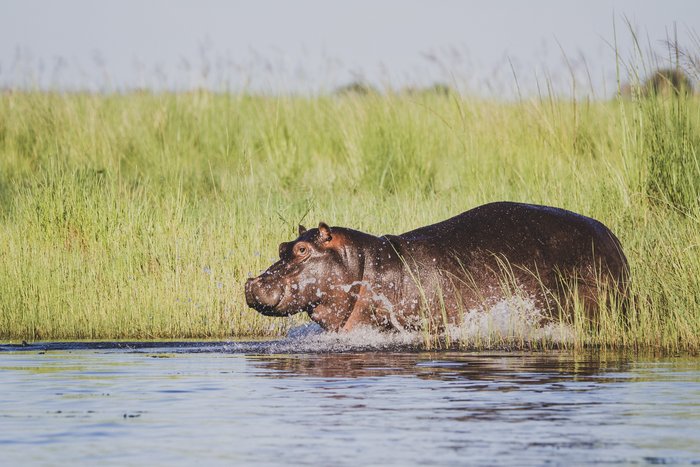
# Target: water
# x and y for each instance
(246, 403)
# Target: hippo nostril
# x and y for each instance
(262, 296)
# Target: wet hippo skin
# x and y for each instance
(431, 276)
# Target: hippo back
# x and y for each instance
(530, 239)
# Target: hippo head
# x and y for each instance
(312, 269)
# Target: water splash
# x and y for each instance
(311, 338)
(515, 322)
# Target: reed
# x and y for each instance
(141, 215)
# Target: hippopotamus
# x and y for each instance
(433, 275)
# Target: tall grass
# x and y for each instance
(141, 215)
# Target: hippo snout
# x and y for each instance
(262, 297)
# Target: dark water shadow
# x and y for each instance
(517, 368)
(138, 346)
(113, 345)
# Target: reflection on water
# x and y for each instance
(237, 403)
(518, 368)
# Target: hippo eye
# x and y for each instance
(302, 249)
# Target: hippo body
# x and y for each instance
(432, 275)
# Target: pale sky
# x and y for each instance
(313, 45)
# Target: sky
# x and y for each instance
(499, 47)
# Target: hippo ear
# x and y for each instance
(324, 232)
(302, 230)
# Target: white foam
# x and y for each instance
(515, 320)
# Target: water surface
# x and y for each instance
(245, 403)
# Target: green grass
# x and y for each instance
(141, 215)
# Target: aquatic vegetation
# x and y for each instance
(142, 215)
